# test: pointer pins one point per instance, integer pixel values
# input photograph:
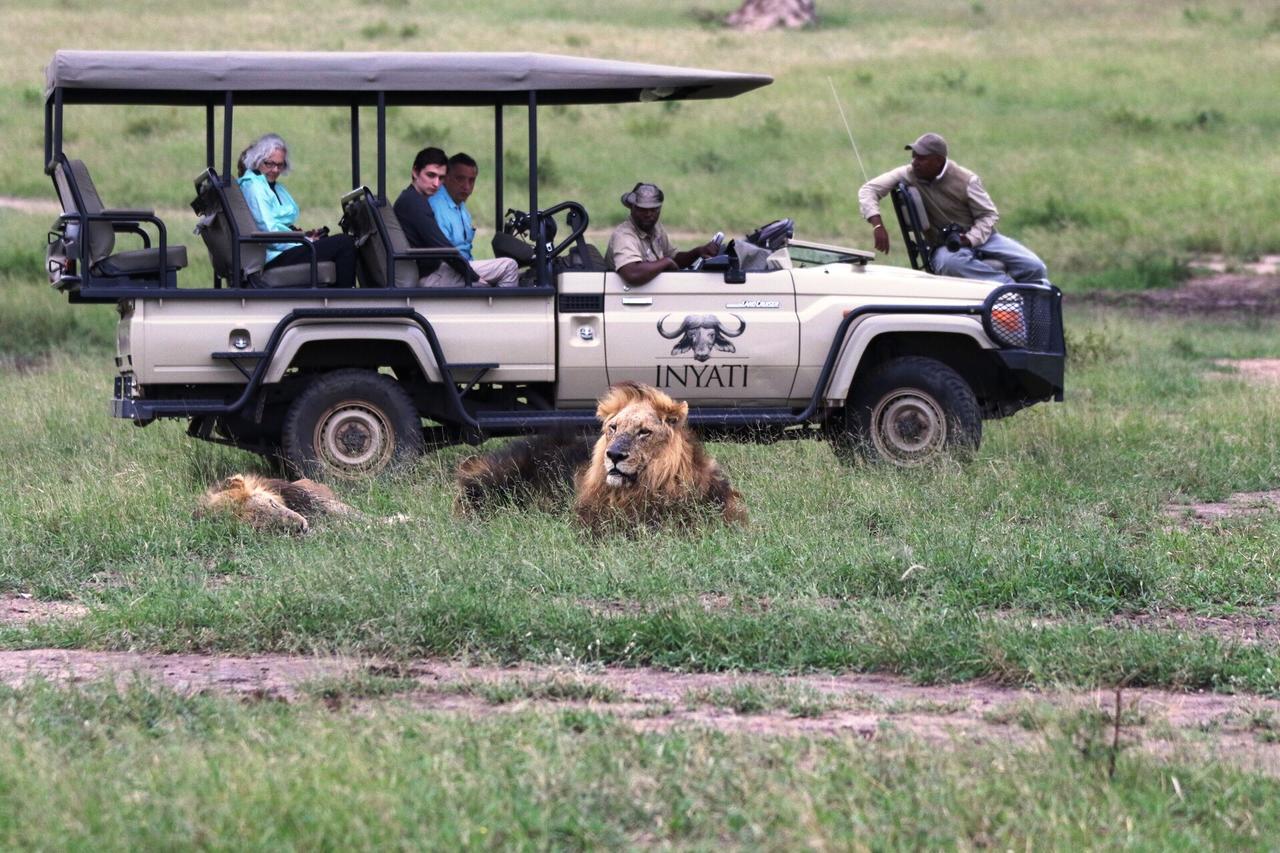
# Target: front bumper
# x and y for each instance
(1039, 375)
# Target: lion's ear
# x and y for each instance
(677, 414)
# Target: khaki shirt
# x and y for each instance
(628, 245)
(957, 195)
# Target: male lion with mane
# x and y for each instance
(270, 504)
(647, 467)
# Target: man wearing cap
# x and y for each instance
(952, 194)
(640, 248)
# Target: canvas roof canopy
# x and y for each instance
(467, 79)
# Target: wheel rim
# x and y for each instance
(354, 437)
(908, 426)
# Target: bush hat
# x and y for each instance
(929, 143)
(643, 195)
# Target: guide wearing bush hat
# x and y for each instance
(952, 194)
(639, 248)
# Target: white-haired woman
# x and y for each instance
(265, 162)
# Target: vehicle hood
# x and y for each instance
(887, 284)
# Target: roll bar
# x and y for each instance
(367, 80)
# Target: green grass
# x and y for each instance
(133, 768)
(934, 573)
(1116, 139)
(1103, 153)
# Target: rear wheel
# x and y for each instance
(350, 424)
(911, 410)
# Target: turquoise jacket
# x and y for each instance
(273, 209)
(454, 220)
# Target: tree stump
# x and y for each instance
(760, 15)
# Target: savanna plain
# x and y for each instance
(999, 651)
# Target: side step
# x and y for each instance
(507, 423)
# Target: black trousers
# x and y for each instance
(339, 248)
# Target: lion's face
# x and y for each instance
(633, 438)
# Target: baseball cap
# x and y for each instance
(643, 195)
(929, 143)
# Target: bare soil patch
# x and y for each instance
(24, 364)
(22, 609)
(30, 205)
(1239, 505)
(1236, 729)
(1245, 629)
(1222, 293)
(709, 602)
(1262, 371)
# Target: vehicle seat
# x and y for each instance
(238, 249)
(909, 204)
(379, 236)
(80, 200)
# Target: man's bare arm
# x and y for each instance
(642, 272)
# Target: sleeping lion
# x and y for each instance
(646, 467)
(270, 504)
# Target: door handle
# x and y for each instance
(637, 300)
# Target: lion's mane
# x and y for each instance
(270, 504)
(678, 482)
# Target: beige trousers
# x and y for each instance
(499, 272)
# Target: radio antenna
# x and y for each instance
(848, 130)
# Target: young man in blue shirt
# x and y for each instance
(450, 208)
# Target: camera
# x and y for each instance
(950, 236)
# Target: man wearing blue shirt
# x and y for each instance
(450, 208)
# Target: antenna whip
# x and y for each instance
(847, 130)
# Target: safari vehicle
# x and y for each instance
(344, 382)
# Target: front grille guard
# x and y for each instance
(1025, 316)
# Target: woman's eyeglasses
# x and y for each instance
(271, 164)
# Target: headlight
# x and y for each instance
(1009, 320)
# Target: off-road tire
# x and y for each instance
(910, 410)
(350, 424)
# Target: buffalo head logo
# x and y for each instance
(702, 333)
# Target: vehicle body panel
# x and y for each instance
(704, 339)
(172, 341)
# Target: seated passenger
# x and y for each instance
(413, 209)
(450, 208)
(639, 249)
(273, 209)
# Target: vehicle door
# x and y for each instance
(514, 330)
(705, 340)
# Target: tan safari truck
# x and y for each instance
(775, 335)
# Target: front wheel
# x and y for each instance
(911, 410)
(350, 424)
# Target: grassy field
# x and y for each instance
(1118, 141)
(171, 772)
(1116, 138)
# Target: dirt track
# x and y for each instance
(870, 707)
(1220, 293)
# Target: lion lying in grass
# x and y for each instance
(646, 467)
(268, 504)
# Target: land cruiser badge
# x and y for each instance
(702, 334)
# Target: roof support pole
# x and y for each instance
(227, 109)
(48, 136)
(355, 145)
(382, 147)
(210, 146)
(497, 167)
(539, 244)
(57, 122)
